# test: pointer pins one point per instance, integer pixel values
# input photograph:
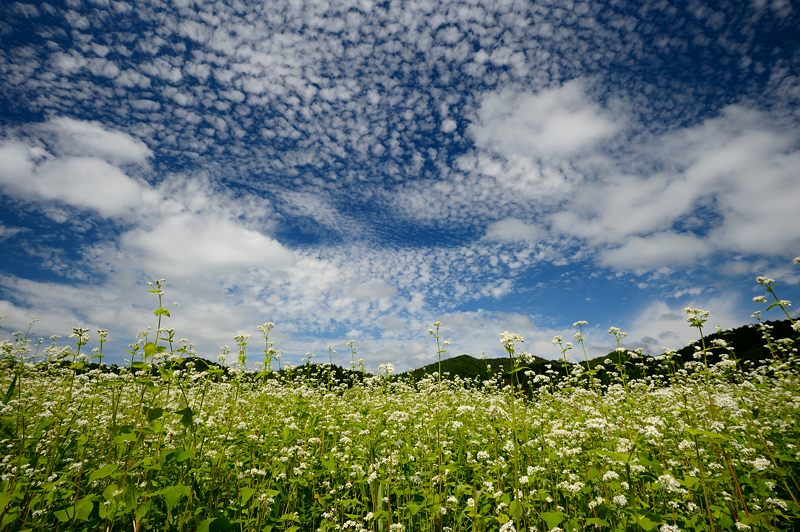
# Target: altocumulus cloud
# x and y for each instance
(355, 169)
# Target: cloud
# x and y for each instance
(725, 184)
(185, 245)
(653, 251)
(552, 123)
(9, 232)
(513, 230)
(450, 150)
(88, 138)
(84, 182)
(659, 325)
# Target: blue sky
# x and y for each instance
(359, 170)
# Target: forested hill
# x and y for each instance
(747, 345)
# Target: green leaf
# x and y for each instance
(108, 493)
(179, 455)
(617, 457)
(162, 312)
(691, 482)
(172, 495)
(103, 472)
(149, 349)
(245, 494)
(63, 515)
(154, 413)
(10, 391)
(5, 498)
(125, 437)
(84, 508)
(220, 524)
(645, 522)
(553, 519)
(186, 416)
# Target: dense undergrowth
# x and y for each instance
(710, 444)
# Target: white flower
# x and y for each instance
(696, 316)
(508, 527)
(509, 339)
(620, 500)
(761, 463)
(610, 475)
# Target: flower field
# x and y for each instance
(164, 445)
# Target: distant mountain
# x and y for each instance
(746, 343)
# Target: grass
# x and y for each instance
(168, 445)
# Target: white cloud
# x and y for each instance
(552, 123)
(727, 184)
(513, 230)
(8, 232)
(653, 251)
(84, 182)
(184, 245)
(85, 138)
(659, 326)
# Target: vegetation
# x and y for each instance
(707, 442)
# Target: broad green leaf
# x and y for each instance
(108, 493)
(245, 494)
(691, 482)
(125, 437)
(553, 519)
(645, 522)
(186, 416)
(103, 472)
(84, 508)
(162, 312)
(149, 349)
(617, 457)
(179, 455)
(4, 500)
(172, 495)
(220, 524)
(515, 509)
(64, 515)
(154, 413)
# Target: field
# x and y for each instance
(166, 445)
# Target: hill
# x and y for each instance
(747, 345)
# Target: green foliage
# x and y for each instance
(702, 439)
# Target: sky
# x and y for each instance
(357, 170)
